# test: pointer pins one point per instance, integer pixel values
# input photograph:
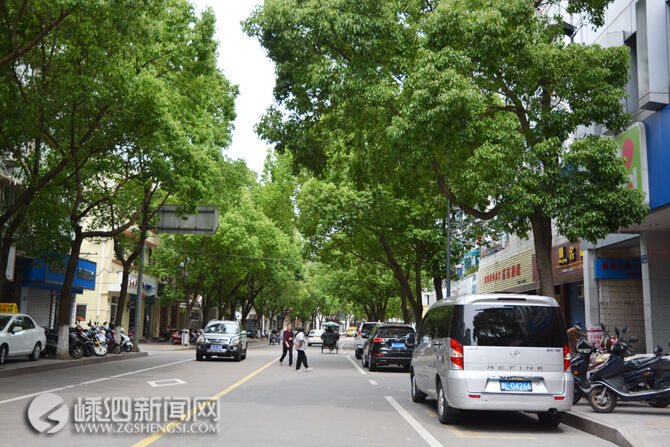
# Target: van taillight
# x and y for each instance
(456, 356)
(566, 357)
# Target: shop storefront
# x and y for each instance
(567, 263)
(42, 284)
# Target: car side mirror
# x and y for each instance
(16, 329)
(411, 339)
(364, 335)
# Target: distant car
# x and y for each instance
(387, 345)
(251, 334)
(362, 335)
(20, 335)
(314, 337)
(221, 339)
(351, 332)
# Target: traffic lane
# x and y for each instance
(477, 428)
(329, 406)
(196, 379)
(16, 386)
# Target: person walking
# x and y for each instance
(300, 345)
(287, 345)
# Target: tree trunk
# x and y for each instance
(65, 307)
(437, 283)
(542, 235)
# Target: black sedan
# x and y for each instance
(387, 345)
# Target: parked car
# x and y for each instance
(314, 337)
(387, 345)
(494, 352)
(362, 335)
(351, 332)
(221, 339)
(20, 335)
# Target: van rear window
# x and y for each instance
(512, 325)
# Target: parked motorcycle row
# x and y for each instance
(98, 340)
(608, 373)
(176, 336)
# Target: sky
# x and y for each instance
(244, 63)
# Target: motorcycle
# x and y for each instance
(175, 336)
(111, 340)
(76, 347)
(124, 341)
(645, 379)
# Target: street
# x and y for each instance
(263, 403)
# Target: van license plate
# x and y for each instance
(397, 345)
(509, 385)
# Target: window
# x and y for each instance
(512, 325)
(28, 323)
(81, 312)
(18, 322)
(395, 331)
(114, 305)
(442, 321)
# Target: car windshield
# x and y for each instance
(366, 328)
(513, 325)
(221, 328)
(394, 332)
(4, 319)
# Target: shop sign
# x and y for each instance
(633, 149)
(595, 335)
(618, 269)
(506, 274)
(567, 260)
(8, 308)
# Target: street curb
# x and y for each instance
(609, 433)
(63, 364)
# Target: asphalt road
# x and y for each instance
(260, 403)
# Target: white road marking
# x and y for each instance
(165, 382)
(372, 382)
(102, 379)
(149, 369)
(430, 439)
(27, 396)
(360, 370)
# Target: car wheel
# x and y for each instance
(244, 354)
(417, 394)
(238, 356)
(549, 419)
(198, 356)
(445, 413)
(358, 354)
(3, 354)
(36, 352)
(372, 365)
(602, 399)
(364, 360)
(309, 344)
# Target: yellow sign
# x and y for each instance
(8, 308)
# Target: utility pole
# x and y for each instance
(448, 276)
(138, 300)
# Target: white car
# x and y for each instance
(314, 337)
(20, 335)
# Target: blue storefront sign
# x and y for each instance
(41, 274)
(658, 157)
(618, 269)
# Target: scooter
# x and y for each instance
(76, 347)
(112, 345)
(175, 336)
(124, 341)
(646, 380)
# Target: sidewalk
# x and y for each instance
(19, 367)
(631, 424)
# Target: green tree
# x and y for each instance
(481, 97)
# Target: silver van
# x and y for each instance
(493, 352)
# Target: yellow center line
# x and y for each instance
(172, 425)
